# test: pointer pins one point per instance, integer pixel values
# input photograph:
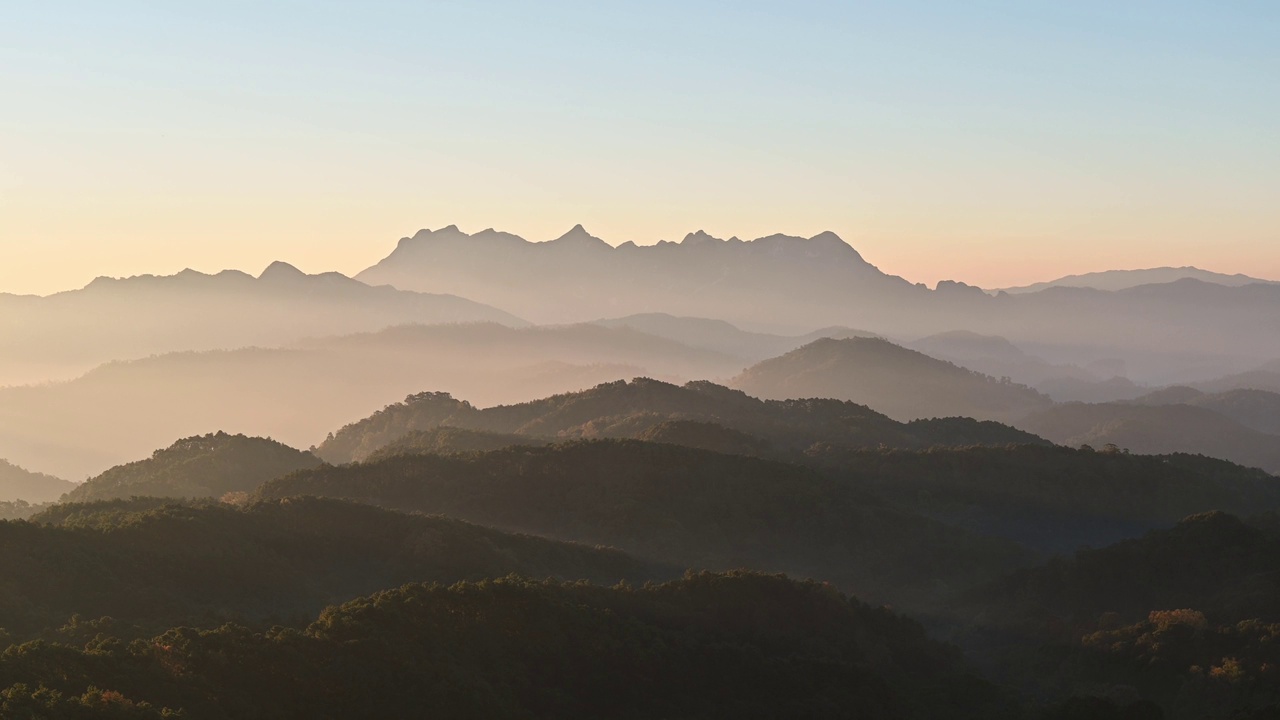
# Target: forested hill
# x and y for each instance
(631, 409)
(708, 646)
(145, 563)
(680, 505)
(33, 487)
(200, 466)
(901, 383)
(1054, 499)
(1214, 563)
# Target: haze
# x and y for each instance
(997, 143)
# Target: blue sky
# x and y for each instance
(992, 142)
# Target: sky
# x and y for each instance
(998, 143)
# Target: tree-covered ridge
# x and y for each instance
(159, 565)
(708, 646)
(443, 439)
(901, 383)
(1213, 562)
(680, 505)
(1053, 499)
(1158, 429)
(631, 409)
(32, 487)
(199, 466)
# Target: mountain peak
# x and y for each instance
(579, 237)
(700, 237)
(280, 270)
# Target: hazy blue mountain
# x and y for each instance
(300, 393)
(1265, 377)
(1125, 279)
(901, 383)
(61, 335)
(32, 487)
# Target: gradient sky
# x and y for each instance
(997, 143)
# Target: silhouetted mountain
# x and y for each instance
(995, 356)
(1171, 332)
(1265, 377)
(300, 393)
(1213, 562)
(144, 563)
(632, 410)
(205, 466)
(1157, 430)
(62, 335)
(901, 383)
(678, 505)
(723, 337)
(1257, 409)
(708, 646)
(1125, 279)
(32, 487)
(578, 277)
(1054, 499)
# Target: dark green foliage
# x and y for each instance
(447, 440)
(159, 566)
(201, 466)
(708, 646)
(680, 505)
(1054, 499)
(632, 410)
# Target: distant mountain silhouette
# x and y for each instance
(299, 393)
(1125, 279)
(1169, 332)
(996, 356)
(205, 466)
(62, 335)
(1265, 377)
(1256, 409)
(723, 337)
(646, 408)
(32, 487)
(1157, 429)
(901, 383)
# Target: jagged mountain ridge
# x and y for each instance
(1172, 332)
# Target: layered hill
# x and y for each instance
(723, 337)
(63, 335)
(632, 409)
(901, 383)
(1156, 430)
(300, 393)
(678, 505)
(1125, 279)
(32, 487)
(1055, 499)
(203, 466)
(1256, 409)
(707, 646)
(145, 563)
(1176, 331)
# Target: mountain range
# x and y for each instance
(63, 335)
(1177, 331)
